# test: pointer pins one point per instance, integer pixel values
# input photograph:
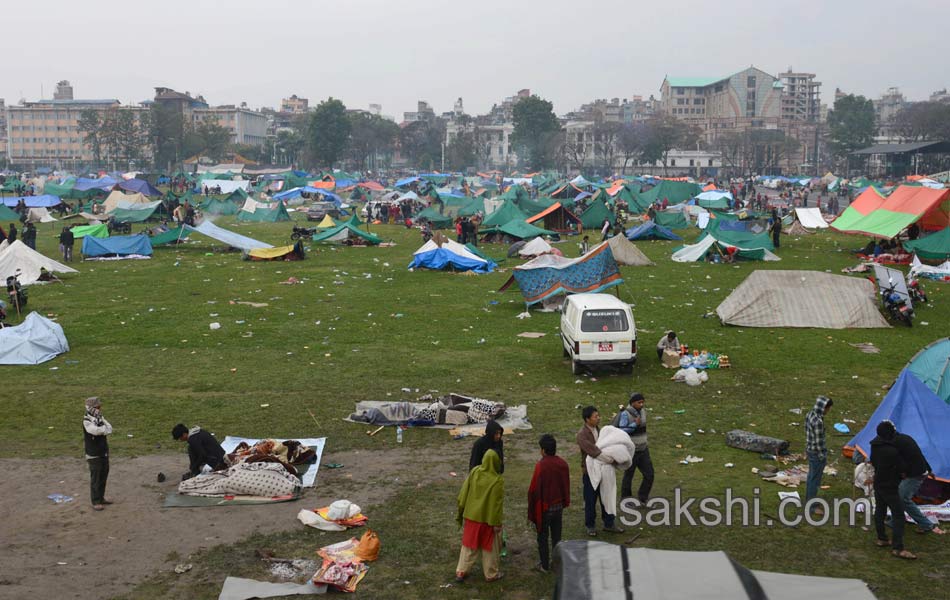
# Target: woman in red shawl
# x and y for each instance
(548, 495)
(481, 507)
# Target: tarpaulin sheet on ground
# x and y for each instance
(802, 299)
(118, 245)
(35, 340)
(549, 275)
(20, 257)
(345, 231)
(39, 215)
(140, 186)
(625, 253)
(232, 239)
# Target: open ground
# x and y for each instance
(362, 327)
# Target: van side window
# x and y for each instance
(604, 320)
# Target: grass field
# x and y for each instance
(362, 327)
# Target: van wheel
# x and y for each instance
(627, 368)
(576, 368)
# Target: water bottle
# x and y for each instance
(398, 434)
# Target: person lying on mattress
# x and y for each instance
(204, 452)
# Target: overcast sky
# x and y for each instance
(395, 52)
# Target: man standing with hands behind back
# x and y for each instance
(95, 429)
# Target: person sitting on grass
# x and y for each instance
(480, 512)
(204, 452)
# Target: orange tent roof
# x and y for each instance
(933, 204)
(868, 201)
(323, 185)
(371, 186)
(552, 209)
(710, 187)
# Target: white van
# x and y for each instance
(598, 329)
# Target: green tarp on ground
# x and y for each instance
(265, 215)
(343, 232)
(100, 231)
(508, 211)
(672, 220)
(213, 206)
(432, 214)
(674, 192)
(593, 217)
(935, 246)
(168, 237)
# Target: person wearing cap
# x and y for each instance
(95, 429)
(633, 421)
(203, 449)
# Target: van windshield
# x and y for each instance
(604, 320)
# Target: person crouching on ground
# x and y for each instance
(548, 495)
(204, 452)
(886, 460)
(480, 512)
(95, 429)
(668, 342)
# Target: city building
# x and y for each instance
(294, 105)
(3, 128)
(45, 133)
(941, 96)
(886, 109)
(615, 110)
(800, 97)
(423, 112)
(248, 127)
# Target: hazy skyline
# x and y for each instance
(395, 53)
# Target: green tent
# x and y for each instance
(168, 237)
(516, 193)
(265, 215)
(125, 215)
(508, 211)
(516, 228)
(432, 214)
(741, 239)
(593, 217)
(935, 246)
(213, 206)
(533, 207)
(7, 214)
(100, 231)
(474, 250)
(674, 192)
(238, 196)
(672, 220)
(473, 206)
(718, 203)
(343, 232)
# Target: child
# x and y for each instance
(585, 246)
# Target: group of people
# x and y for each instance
(466, 230)
(481, 500)
(28, 235)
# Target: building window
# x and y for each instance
(680, 91)
(691, 163)
(750, 81)
(680, 101)
(672, 162)
(710, 162)
(698, 101)
(718, 88)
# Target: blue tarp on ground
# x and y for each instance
(917, 411)
(35, 340)
(650, 231)
(141, 186)
(44, 201)
(461, 259)
(119, 245)
(932, 366)
(235, 240)
(549, 275)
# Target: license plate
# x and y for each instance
(605, 347)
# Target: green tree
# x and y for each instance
(89, 125)
(329, 132)
(461, 153)
(536, 126)
(370, 135)
(663, 133)
(216, 139)
(421, 142)
(850, 125)
(167, 131)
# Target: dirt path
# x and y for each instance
(50, 550)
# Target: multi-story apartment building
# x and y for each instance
(941, 96)
(886, 109)
(294, 105)
(423, 112)
(800, 97)
(248, 127)
(45, 133)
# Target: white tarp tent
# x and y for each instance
(35, 340)
(811, 218)
(20, 257)
(802, 299)
(941, 271)
(535, 247)
(39, 215)
(625, 253)
(697, 251)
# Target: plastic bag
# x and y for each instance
(368, 550)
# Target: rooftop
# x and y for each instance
(69, 102)
(693, 81)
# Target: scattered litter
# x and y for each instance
(60, 498)
(842, 428)
(848, 420)
(332, 466)
(690, 459)
(264, 405)
(867, 347)
(182, 568)
(680, 411)
(687, 434)
(729, 465)
(784, 495)
(254, 304)
(524, 315)
(214, 326)
(796, 411)
(924, 323)
(531, 334)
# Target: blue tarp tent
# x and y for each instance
(920, 413)
(407, 181)
(44, 201)
(103, 183)
(449, 255)
(141, 186)
(35, 340)
(932, 366)
(119, 245)
(650, 231)
(299, 191)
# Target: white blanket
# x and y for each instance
(616, 444)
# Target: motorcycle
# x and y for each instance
(15, 293)
(302, 232)
(897, 307)
(917, 294)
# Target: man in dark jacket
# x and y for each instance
(886, 460)
(95, 428)
(633, 421)
(916, 469)
(490, 441)
(11, 233)
(203, 449)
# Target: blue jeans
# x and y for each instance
(591, 497)
(907, 490)
(816, 467)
